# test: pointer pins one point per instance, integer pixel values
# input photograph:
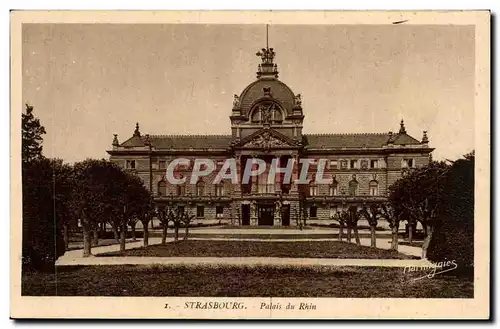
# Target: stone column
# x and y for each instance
(237, 187)
(295, 176)
(277, 215)
(254, 214)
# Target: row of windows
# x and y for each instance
(353, 164)
(333, 189)
(332, 164)
(219, 211)
(313, 211)
(181, 189)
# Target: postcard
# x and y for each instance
(250, 165)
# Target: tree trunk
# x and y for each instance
(87, 247)
(164, 233)
(426, 229)
(132, 228)
(186, 233)
(341, 232)
(356, 234)
(146, 233)
(394, 243)
(427, 241)
(122, 237)
(95, 236)
(66, 236)
(115, 232)
(349, 233)
(373, 236)
(410, 233)
(176, 237)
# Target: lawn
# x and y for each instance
(232, 281)
(296, 249)
(270, 236)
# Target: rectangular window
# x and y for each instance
(373, 164)
(333, 190)
(200, 211)
(313, 211)
(407, 163)
(200, 189)
(162, 164)
(219, 211)
(354, 164)
(333, 164)
(181, 190)
(343, 164)
(130, 164)
(313, 190)
(219, 190)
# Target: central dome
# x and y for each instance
(279, 91)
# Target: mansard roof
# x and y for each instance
(180, 141)
(362, 140)
(368, 140)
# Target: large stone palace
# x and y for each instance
(266, 123)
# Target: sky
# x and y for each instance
(90, 81)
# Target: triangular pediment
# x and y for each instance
(267, 139)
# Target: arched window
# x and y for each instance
(162, 187)
(373, 188)
(200, 188)
(256, 116)
(334, 189)
(353, 188)
(275, 115)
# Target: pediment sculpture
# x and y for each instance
(266, 141)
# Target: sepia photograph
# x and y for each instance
(250, 165)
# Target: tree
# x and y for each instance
(100, 195)
(165, 215)
(32, 139)
(341, 218)
(372, 214)
(392, 214)
(418, 195)
(146, 216)
(63, 185)
(45, 185)
(187, 218)
(177, 218)
(42, 240)
(138, 201)
(453, 235)
(353, 216)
